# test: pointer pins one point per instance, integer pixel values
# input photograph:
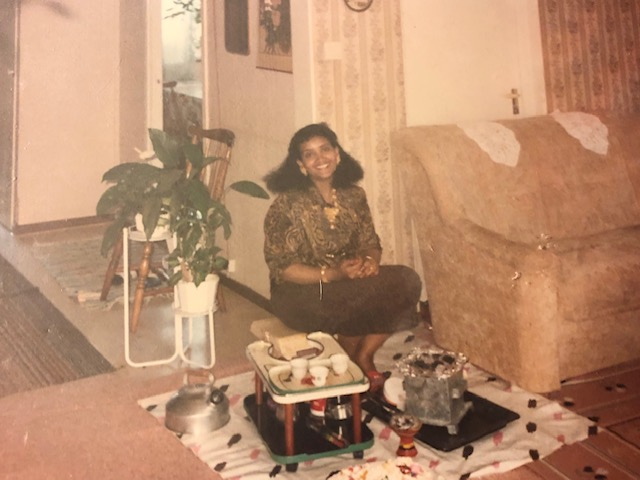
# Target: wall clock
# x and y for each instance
(358, 5)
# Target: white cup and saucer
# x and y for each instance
(299, 368)
(339, 363)
(319, 374)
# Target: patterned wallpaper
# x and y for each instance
(591, 51)
(361, 95)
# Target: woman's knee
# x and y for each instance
(414, 283)
(408, 280)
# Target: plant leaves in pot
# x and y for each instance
(173, 188)
(142, 189)
(198, 221)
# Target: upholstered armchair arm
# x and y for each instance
(493, 244)
(496, 301)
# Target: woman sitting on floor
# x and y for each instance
(324, 254)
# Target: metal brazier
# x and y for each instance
(434, 384)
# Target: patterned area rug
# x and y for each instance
(38, 345)
(80, 269)
(236, 451)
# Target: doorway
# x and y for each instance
(175, 65)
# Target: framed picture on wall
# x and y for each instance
(274, 37)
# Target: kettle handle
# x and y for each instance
(198, 373)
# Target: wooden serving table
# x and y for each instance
(305, 437)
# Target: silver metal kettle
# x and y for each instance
(197, 409)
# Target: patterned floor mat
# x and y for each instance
(237, 452)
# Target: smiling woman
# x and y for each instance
(324, 254)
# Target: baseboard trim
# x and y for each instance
(58, 225)
(247, 293)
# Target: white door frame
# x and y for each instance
(210, 85)
(154, 65)
(10, 12)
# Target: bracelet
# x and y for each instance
(369, 257)
(323, 275)
(323, 272)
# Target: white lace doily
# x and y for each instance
(496, 140)
(586, 128)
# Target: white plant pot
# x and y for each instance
(200, 299)
(161, 229)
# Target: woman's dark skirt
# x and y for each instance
(379, 304)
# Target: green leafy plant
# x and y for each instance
(196, 219)
(141, 188)
(177, 191)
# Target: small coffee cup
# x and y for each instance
(319, 375)
(299, 367)
(339, 363)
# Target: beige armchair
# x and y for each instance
(529, 234)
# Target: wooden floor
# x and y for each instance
(611, 398)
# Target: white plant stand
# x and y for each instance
(180, 348)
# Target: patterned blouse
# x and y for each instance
(298, 231)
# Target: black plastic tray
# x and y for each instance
(483, 418)
(308, 443)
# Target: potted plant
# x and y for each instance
(142, 189)
(174, 193)
(197, 220)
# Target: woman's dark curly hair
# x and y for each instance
(288, 175)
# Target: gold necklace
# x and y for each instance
(331, 211)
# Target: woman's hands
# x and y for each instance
(359, 267)
(367, 264)
(370, 266)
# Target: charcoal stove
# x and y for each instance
(434, 384)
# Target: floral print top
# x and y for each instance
(298, 231)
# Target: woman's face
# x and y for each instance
(319, 158)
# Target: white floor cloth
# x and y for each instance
(237, 452)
